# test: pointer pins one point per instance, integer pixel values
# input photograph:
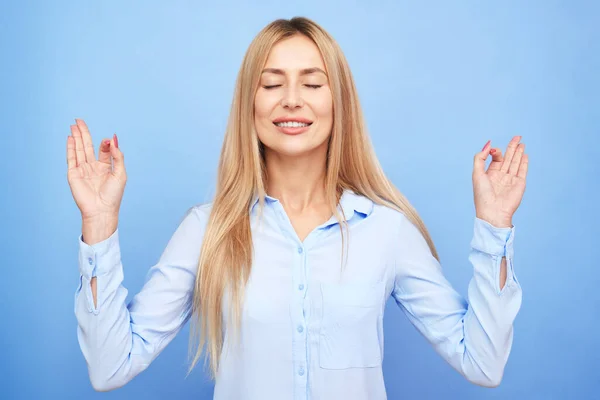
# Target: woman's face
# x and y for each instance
(293, 107)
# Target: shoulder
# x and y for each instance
(200, 210)
(189, 231)
(401, 232)
(389, 219)
(196, 216)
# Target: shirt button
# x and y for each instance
(90, 260)
(300, 328)
(300, 250)
(300, 287)
(301, 371)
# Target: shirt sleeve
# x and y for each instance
(120, 340)
(473, 335)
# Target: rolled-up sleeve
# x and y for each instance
(473, 335)
(120, 340)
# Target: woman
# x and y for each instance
(288, 270)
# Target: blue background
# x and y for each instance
(436, 81)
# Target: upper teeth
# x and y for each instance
(291, 124)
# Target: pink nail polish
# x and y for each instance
(116, 141)
(488, 142)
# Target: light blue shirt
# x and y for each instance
(310, 329)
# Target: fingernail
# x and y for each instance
(116, 141)
(488, 142)
(492, 151)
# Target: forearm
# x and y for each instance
(96, 230)
(105, 333)
(104, 330)
(494, 299)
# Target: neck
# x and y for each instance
(298, 182)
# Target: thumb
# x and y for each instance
(479, 160)
(104, 152)
(117, 156)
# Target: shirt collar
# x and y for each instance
(256, 198)
(349, 202)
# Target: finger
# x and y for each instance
(516, 161)
(510, 152)
(118, 158)
(479, 160)
(104, 152)
(88, 145)
(522, 173)
(71, 159)
(79, 153)
(496, 159)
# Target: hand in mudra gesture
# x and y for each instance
(97, 185)
(498, 191)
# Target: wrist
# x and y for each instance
(496, 221)
(98, 228)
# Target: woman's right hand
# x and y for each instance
(96, 185)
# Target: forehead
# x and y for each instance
(295, 53)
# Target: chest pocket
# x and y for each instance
(352, 325)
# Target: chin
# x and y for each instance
(292, 145)
(291, 149)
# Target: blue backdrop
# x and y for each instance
(436, 81)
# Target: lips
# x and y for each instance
(292, 119)
(292, 126)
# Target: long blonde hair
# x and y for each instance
(226, 253)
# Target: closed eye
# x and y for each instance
(275, 86)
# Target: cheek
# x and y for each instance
(259, 106)
(323, 107)
(263, 105)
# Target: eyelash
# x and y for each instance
(310, 86)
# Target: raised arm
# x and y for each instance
(473, 335)
(120, 340)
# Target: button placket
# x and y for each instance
(300, 337)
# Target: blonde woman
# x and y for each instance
(285, 274)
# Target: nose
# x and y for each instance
(292, 98)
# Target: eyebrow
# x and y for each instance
(304, 71)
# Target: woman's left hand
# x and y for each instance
(499, 190)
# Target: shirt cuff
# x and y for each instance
(492, 240)
(99, 258)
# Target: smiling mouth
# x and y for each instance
(292, 124)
